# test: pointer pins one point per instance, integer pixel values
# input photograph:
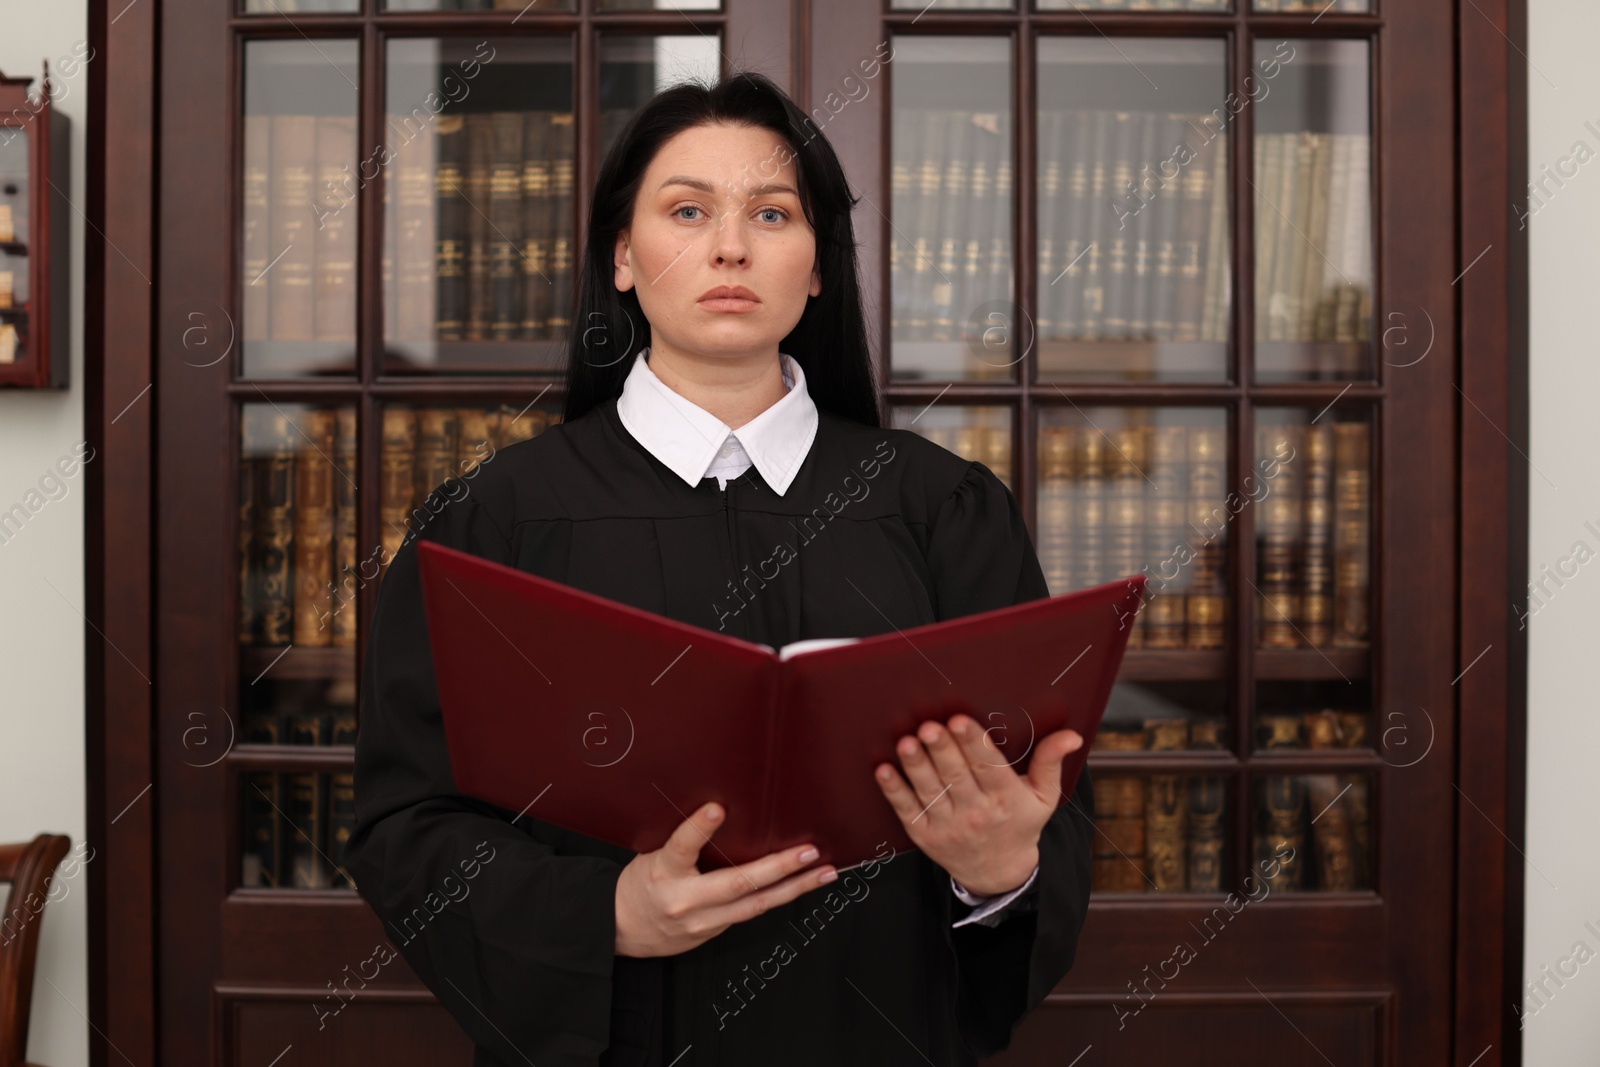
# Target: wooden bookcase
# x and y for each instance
(1088, 377)
(34, 139)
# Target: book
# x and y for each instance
(787, 742)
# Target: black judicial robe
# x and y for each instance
(511, 921)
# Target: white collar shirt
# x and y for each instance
(695, 444)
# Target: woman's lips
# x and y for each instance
(729, 303)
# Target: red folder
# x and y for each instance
(618, 723)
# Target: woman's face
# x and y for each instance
(720, 206)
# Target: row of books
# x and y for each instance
(480, 213)
(1133, 227)
(1313, 728)
(1312, 559)
(424, 446)
(297, 824)
(987, 442)
(299, 569)
(1139, 498)
(298, 254)
(1313, 266)
(1164, 833)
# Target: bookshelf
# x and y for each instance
(34, 140)
(1178, 360)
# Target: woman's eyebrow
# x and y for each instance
(706, 187)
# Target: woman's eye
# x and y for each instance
(686, 207)
(774, 211)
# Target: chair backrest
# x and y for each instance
(27, 867)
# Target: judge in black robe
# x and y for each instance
(510, 921)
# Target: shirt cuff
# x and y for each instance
(987, 909)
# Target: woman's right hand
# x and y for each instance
(666, 906)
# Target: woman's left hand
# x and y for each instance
(968, 809)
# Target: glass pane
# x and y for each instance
(1159, 833)
(477, 255)
(979, 432)
(298, 573)
(424, 446)
(1311, 832)
(659, 5)
(296, 829)
(1132, 5)
(951, 5)
(298, 7)
(1313, 534)
(633, 69)
(952, 313)
(1141, 490)
(14, 227)
(301, 210)
(521, 6)
(1313, 212)
(1133, 278)
(1317, 7)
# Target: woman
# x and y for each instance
(721, 463)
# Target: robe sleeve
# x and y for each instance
(515, 940)
(981, 557)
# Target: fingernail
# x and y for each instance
(808, 855)
(827, 876)
(713, 812)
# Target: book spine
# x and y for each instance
(397, 479)
(1125, 511)
(1057, 536)
(1097, 224)
(245, 537)
(1169, 179)
(1067, 288)
(1215, 320)
(1119, 232)
(437, 434)
(1089, 563)
(505, 225)
(1208, 796)
(536, 225)
(1167, 811)
(334, 235)
(414, 237)
(294, 153)
(313, 529)
(1117, 856)
(274, 533)
(1205, 600)
(479, 235)
(1052, 181)
(1316, 570)
(560, 317)
(952, 224)
(1163, 612)
(344, 531)
(1352, 520)
(450, 263)
(256, 241)
(1278, 616)
(902, 206)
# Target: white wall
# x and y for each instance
(41, 631)
(1563, 871)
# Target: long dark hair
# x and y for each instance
(830, 340)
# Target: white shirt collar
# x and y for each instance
(689, 439)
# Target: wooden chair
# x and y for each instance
(27, 867)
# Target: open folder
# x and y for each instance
(618, 723)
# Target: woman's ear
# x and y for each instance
(622, 270)
(816, 281)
